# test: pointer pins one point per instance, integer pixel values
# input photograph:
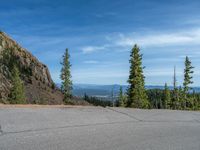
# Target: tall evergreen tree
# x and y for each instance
(121, 98)
(167, 97)
(187, 79)
(137, 96)
(65, 76)
(17, 95)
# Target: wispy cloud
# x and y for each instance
(155, 39)
(90, 62)
(167, 59)
(162, 72)
(147, 39)
(90, 49)
(194, 55)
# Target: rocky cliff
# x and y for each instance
(39, 87)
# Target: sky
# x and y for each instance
(100, 34)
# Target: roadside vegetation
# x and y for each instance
(65, 76)
(136, 96)
(181, 98)
(96, 101)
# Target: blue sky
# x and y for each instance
(101, 33)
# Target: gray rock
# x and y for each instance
(38, 82)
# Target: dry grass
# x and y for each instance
(39, 106)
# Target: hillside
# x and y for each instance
(39, 86)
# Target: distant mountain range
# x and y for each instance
(97, 90)
(107, 90)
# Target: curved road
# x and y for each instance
(96, 128)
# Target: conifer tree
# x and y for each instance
(66, 85)
(167, 97)
(121, 98)
(137, 96)
(187, 79)
(17, 95)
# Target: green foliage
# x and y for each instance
(137, 96)
(121, 98)
(187, 75)
(53, 86)
(167, 97)
(11, 69)
(155, 98)
(9, 60)
(175, 98)
(178, 98)
(196, 101)
(97, 102)
(187, 81)
(65, 76)
(17, 95)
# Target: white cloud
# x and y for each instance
(166, 59)
(121, 41)
(160, 39)
(162, 72)
(193, 55)
(90, 49)
(90, 62)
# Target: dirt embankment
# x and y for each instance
(42, 106)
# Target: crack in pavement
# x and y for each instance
(133, 120)
(197, 120)
(130, 116)
(1, 131)
(65, 127)
(150, 121)
(196, 115)
(88, 125)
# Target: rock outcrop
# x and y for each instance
(39, 86)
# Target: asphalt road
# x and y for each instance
(96, 128)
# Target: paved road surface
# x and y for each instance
(96, 128)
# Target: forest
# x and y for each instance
(136, 96)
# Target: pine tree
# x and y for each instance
(17, 95)
(137, 96)
(187, 80)
(66, 85)
(167, 97)
(121, 98)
